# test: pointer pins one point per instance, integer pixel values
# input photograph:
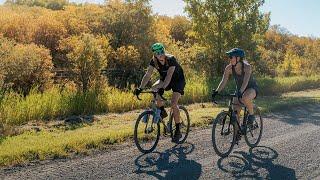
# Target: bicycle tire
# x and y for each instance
(223, 119)
(136, 133)
(186, 124)
(258, 122)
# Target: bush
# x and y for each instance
(24, 66)
(50, 4)
(49, 32)
(87, 57)
(124, 67)
(17, 24)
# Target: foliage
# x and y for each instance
(24, 66)
(49, 32)
(220, 25)
(50, 4)
(87, 56)
(125, 67)
(179, 28)
(54, 103)
(58, 141)
(130, 24)
(285, 54)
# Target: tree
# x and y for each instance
(161, 29)
(217, 23)
(130, 24)
(87, 57)
(50, 4)
(179, 28)
(124, 67)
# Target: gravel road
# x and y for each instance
(289, 149)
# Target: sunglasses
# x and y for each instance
(158, 53)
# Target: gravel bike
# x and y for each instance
(227, 131)
(147, 128)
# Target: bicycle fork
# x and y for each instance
(223, 124)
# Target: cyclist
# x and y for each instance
(247, 88)
(171, 77)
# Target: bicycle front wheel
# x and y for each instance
(223, 134)
(254, 131)
(146, 132)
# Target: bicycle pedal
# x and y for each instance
(237, 143)
(225, 133)
(253, 127)
(241, 132)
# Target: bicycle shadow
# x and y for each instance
(254, 164)
(170, 164)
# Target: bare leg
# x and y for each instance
(175, 107)
(155, 87)
(247, 98)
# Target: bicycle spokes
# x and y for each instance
(149, 129)
(184, 124)
(146, 133)
(254, 131)
(223, 133)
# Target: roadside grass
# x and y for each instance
(52, 142)
(54, 103)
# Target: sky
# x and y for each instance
(300, 17)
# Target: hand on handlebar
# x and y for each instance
(239, 94)
(161, 91)
(137, 91)
(213, 95)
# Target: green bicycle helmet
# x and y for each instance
(157, 49)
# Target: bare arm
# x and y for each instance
(247, 74)
(146, 77)
(169, 76)
(225, 78)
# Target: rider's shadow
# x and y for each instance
(255, 164)
(170, 164)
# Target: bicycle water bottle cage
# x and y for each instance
(145, 118)
(157, 116)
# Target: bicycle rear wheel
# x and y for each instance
(223, 134)
(146, 133)
(185, 124)
(254, 132)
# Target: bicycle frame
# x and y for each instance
(233, 116)
(154, 108)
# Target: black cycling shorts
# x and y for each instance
(177, 86)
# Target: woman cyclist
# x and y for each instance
(171, 77)
(247, 88)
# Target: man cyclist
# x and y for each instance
(247, 88)
(171, 77)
